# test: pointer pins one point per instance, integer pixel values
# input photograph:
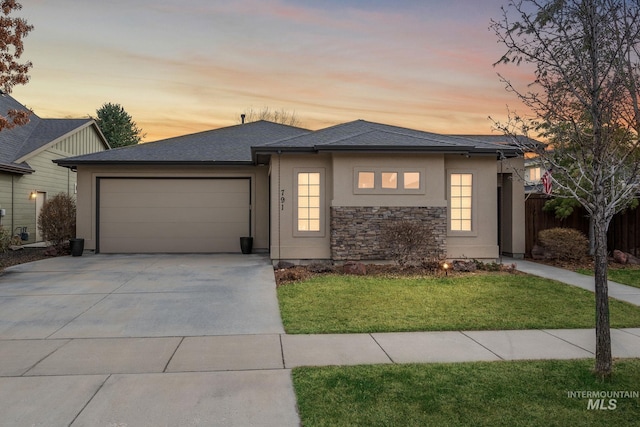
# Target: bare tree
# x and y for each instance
(282, 116)
(12, 72)
(585, 101)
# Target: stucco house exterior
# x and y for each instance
(27, 174)
(302, 195)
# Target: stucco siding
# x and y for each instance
(345, 167)
(284, 243)
(482, 241)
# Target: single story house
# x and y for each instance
(302, 195)
(27, 175)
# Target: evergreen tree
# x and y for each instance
(118, 126)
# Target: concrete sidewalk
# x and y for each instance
(618, 291)
(212, 379)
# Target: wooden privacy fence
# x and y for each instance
(624, 230)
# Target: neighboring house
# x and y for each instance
(27, 174)
(302, 195)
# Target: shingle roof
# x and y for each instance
(220, 146)
(20, 141)
(361, 135)
(241, 144)
(514, 141)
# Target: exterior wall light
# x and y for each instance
(33, 195)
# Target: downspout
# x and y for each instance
(13, 203)
(280, 207)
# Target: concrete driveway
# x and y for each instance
(139, 296)
(123, 340)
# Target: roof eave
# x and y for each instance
(16, 169)
(74, 164)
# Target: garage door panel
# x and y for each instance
(158, 230)
(173, 215)
(169, 185)
(164, 200)
(165, 245)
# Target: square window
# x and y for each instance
(366, 179)
(390, 180)
(412, 180)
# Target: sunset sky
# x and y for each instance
(194, 65)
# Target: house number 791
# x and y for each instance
(282, 199)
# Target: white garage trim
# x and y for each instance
(172, 214)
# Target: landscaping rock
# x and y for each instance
(320, 268)
(283, 265)
(464, 266)
(356, 268)
(632, 259)
(620, 257)
(537, 252)
(51, 251)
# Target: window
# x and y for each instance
(366, 179)
(384, 181)
(308, 201)
(412, 180)
(461, 201)
(534, 174)
(390, 180)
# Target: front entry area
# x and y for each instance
(172, 215)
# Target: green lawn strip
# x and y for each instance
(626, 276)
(523, 393)
(362, 304)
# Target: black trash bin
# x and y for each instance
(77, 246)
(246, 244)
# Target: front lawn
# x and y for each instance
(464, 394)
(484, 301)
(626, 276)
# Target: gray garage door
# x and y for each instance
(172, 215)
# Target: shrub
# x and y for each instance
(409, 243)
(564, 243)
(5, 239)
(57, 219)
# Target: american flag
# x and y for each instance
(546, 182)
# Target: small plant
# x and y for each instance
(410, 243)
(57, 219)
(564, 243)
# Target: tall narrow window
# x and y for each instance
(461, 201)
(308, 201)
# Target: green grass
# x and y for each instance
(626, 276)
(357, 304)
(464, 394)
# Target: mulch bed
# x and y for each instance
(300, 273)
(21, 256)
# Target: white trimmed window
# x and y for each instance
(534, 175)
(309, 198)
(461, 201)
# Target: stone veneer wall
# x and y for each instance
(356, 231)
